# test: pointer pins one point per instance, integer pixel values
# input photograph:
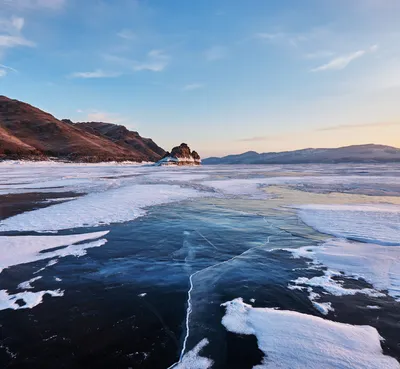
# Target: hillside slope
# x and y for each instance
(27, 132)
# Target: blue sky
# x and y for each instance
(225, 76)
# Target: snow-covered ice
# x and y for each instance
(30, 299)
(99, 208)
(27, 285)
(377, 264)
(16, 250)
(373, 223)
(298, 341)
(193, 360)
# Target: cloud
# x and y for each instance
(5, 67)
(342, 62)
(126, 34)
(102, 116)
(257, 138)
(319, 54)
(3, 73)
(156, 61)
(269, 36)
(35, 4)
(8, 41)
(216, 53)
(193, 86)
(10, 33)
(357, 126)
(18, 23)
(98, 73)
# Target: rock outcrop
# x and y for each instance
(29, 133)
(181, 155)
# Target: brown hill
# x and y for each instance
(125, 138)
(30, 133)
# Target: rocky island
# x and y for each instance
(181, 155)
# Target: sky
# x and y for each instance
(224, 76)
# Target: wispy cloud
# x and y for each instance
(269, 36)
(98, 73)
(193, 86)
(257, 138)
(8, 41)
(2, 66)
(127, 34)
(156, 61)
(11, 33)
(216, 53)
(342, 62)
(319, 54)
(293, 39)
(35, 4)
(3, 73)
(357, 126)
(103, 116)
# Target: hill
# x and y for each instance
(369, 153)
(27, 132)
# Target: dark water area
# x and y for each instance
(125, 303)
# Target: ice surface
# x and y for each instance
(239, 187)
(367, 223)
(299, 341)
(28, 284)
(30, 299)
(16, 250)
(192, 359)
(377, 264)
(112, 206)
(251, 186)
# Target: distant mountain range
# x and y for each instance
(29, 133)
(350, 154)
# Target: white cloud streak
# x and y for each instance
(342, 62)
(126, 34)
(8, 41)
(98, 73)
(193, 86)
(34, 4)
(2, 66)
(10, 33)
(156, 61)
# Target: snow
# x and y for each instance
(16, 250)
(299, 341)
(192, 359)
(323, 307)
(28, 284)
(378, 223)
(30, 299)
(377, 264)
(113, 206)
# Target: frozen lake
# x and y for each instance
(236, 267)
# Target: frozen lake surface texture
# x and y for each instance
(233, 267)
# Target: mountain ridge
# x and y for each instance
(364, 153)
(27, 132)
